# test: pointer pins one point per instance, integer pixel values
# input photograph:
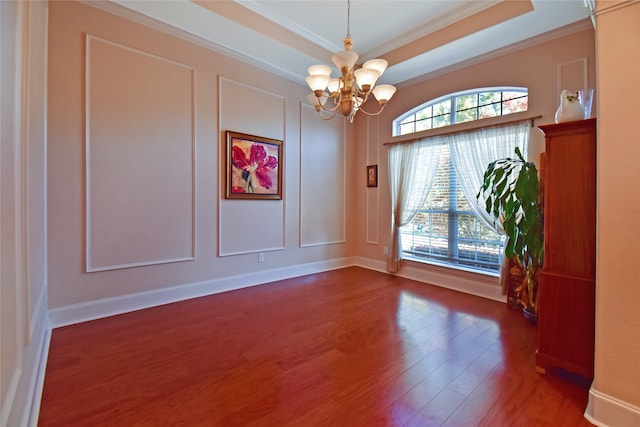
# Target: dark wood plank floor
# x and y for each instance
(350, 347)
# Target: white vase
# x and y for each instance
(570, 108)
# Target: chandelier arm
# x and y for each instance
(333, 109)
(329, 117)
(363, 94)
(371, 114)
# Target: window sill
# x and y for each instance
(449, 267)
(480, 283)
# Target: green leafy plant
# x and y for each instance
(511, 191)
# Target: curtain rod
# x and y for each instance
(450, 132)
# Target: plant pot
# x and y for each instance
(529, 315)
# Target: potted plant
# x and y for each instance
(511, 191)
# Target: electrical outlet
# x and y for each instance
(386, 250)
(261, 257)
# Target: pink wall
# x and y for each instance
(615, 394)
(544, 69)
(129, 224)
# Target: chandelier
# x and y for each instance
(351, 90)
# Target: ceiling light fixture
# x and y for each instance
(352, 89)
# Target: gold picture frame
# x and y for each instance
(253, 167)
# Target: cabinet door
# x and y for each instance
(570, 201)
(566, 319)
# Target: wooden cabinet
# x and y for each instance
(566, 316)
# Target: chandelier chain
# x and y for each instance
(348, 18)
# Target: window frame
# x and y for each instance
(452, 97)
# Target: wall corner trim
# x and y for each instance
(604, 410)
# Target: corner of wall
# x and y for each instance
(23, 405)
(605, 410)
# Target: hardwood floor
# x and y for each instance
(350, 347)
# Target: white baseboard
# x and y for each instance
(461, 281)
(22, 402)
(38, 384)
(91, 310)
(604, 410)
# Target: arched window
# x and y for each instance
(462, 107)
(446, 230)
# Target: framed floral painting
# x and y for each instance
(372, 176)
(253, 167)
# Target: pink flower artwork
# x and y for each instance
(254, 167)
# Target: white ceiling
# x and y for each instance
(417, 37)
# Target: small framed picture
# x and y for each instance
(372, 176)
(253, 167)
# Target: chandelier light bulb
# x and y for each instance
(345, 60)
(322, 70)
(318, 83)
(376, 64)
(366, 78)
(383, 93)
(334, 85)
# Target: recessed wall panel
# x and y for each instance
(322, 179)
(247, 226)
(139, 157)
(572, 75)
(372, 193)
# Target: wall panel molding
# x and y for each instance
(250, 226)
(323, 179)
(372, 215)
(139, 157)
(572, 75)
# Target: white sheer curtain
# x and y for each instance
(412, 167)
(472, 151)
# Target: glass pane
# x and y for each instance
(421, 220)
(467, 226)
(439, 225)
(466, 116)
(515, 105)
(407, 128)
(512, 95)
(486, 98)
(466, 101)
(441, 108)
(423, 125)
(424, 113)
(438, 198)
(477, 242)
(461, 202)
(492, 110)
(440, 121)
(408, 119)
